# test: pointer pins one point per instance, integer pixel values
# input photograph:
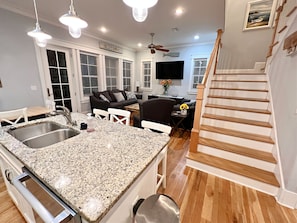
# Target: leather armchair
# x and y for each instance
(156, 110)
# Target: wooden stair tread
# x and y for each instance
(234, 167)
(238, 89)
(245, 135)
(239, 98)
(239, 74)
(260, 81)
(241, 150)
(238, 120)
(262, 111)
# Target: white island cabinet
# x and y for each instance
(99, 174)
(10, 168)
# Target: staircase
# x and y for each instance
(235, 133)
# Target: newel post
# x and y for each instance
(196, 124)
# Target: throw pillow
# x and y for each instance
(119, 96)
(130, 95)
(103, 98)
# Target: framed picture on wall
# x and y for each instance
(259, 14)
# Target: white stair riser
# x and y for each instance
(246, 77)
(245, 181)
(238, 103)
(237, 126)
(238, 114)
(262, 146)
(246, 94)
(260, 164)
(240, 85)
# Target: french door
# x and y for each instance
(59, 79)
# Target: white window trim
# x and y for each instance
(142, 75)
(193, 57)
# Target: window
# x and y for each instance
(127, 75)
(199, 67)
(89, 73)
(111, 72)
(147, 73)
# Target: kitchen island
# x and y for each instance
(95, 173)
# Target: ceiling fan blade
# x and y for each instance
(158, 46)
(164, 50)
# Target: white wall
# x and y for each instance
(186, 53)
(283, 79)
(18, 65)
(241, 49)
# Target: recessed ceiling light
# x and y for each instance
(103, 29)
(139, 44)
(179, 11)
(196, 37)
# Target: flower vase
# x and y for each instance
(165, 91)
(183, 112)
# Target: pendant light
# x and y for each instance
(74, 23)
(40, 37)
(140, 8)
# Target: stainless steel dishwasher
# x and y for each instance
(47, 206)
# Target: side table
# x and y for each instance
(177, 120)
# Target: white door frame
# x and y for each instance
(45, 75)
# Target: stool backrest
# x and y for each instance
(101, 114)
(166, 129)
(119, 116)
(14, 116)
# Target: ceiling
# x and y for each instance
(200, 17)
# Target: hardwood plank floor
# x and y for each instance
(202, 198)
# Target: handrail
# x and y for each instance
(278, 14)
(213, 56)
(200, 92)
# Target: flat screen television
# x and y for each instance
(170, 70)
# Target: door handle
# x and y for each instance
(48, 92)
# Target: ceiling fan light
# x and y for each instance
(140, 14)
(140, 3)
(75, 32)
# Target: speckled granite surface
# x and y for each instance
(91, 171)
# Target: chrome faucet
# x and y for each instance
(66, 113)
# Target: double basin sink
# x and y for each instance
(42, 134)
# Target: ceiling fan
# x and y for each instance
(154, 47)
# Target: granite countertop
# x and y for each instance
(90, 171)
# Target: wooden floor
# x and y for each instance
(202, 198)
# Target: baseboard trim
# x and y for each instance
(287, 198)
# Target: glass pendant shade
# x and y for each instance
(75, 32)
(140, 8)
(140, 3)
(40, 37)
(74, 23)
(139, 14)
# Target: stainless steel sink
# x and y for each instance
(50, 138)
(42, 134)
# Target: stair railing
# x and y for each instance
(210, 70)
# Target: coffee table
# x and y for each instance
(134, 109)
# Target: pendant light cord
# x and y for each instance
(35, 8)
